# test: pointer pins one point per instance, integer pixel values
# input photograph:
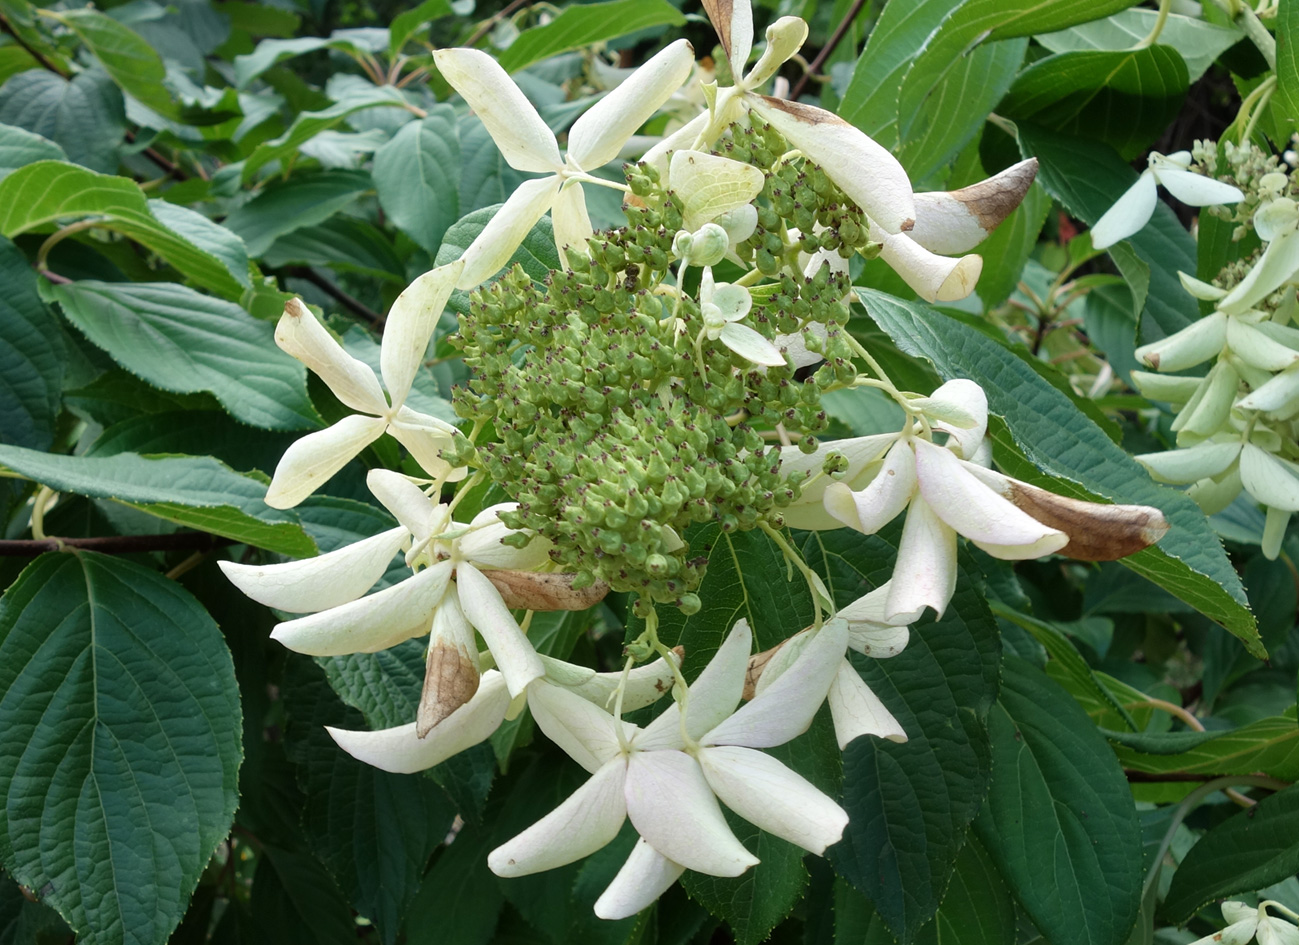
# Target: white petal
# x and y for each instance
(1202, 461)
(713, 695)
(1238, 933)
(301, 335)
(770, 796)
(1279, 394)
(864, 170)
(425, 438)
(315, 584)
(954, 222)
(785, 708)
(582, 824)
(1274, 528)
(645, 876)
(371, 623)
(871, 508)
(1270, 479)
(959, 408)
(410, 325)
(878, 640)
(1234, 911)
(598, 136)
(401, 751)
(925, 572)
(976, 511)
(857, 711)
(934, 278)
(310, 461)
(482, 604)
(784, 38)
(674, 809)
(1173, 389)
(750, 345)
(405, 500)
(1278, 264)
(871, 611)
(1196, 190)
(572, 222)
(585, 732)
(1197, 342)
(1275, 931)
(1257, 349)
(645, 684)
(683, 137)
(808, 511)
(506, 231)
(523, 138)
(708, 185)
(1199, 289)
(483, 546)
(736, 33)
(1129, 214)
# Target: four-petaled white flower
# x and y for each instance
(314, 458)
(1133, 210)
(529, 145)
(723, 307)
(669, 776)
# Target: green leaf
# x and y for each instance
(342, 242)
(405, 25)
(1198, 41)
(273, 51)
(1269, 745)
(417, 174)
(1285, 100)
(1125, 99)
(373, 830)
(977, 908)
(295, 899)
(13, 60)
(212, 238)
(911, 804)
(20, 147)
(460, 900)
(1088, 178)
(83, 115)
(126, 56)
(1079, 458)
(301, 201)
(1007, 250)
(32, 359)
(195, 491)
(119, 743)
(537, 254)
(1250, 850)
(183, 341)
(309, 124)
(1059, 820)
(582, 25)
(49, 191)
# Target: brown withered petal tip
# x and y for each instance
(994, 199)
(1097, 532)
(757, 663)
(450, 680)
(719, 12)
(531, 590)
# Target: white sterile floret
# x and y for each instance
(313, 459)
(1133, 210)
(668, 777)
(724, 307)
(1248, 922)
(529, 145)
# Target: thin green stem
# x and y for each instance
(1160, 20)
(1259, 34)
(44, 498)
(1265, 94)
(464, 489)
(793, 557)
(58, 236)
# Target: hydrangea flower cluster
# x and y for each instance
(631, 395)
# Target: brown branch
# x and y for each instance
(490, 24)
(54, 277)
(353, 305)
(171, 168)
(115, 544)
(814, 66)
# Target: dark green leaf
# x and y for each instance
(210, 237)
(83, 115)
(195, 491)
(1059, 819)
(1198, 41)
(182, 341)
(417, 175)
(1250, 850)
(977, 909)
(1268, 745)
(295, 899)
(20, 147)
(407, 24)
(1080, 459)
(582, 25)
(31, 356)
(345, 243)
(1285, 100)
(301, 201)
(911, 804)
(537, 255)
(459, 901)
(1007, 249)
(119, 743)
(132, 62)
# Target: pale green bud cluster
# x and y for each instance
(1260, 175)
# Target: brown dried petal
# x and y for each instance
(450, 680)
(1097, 532)
(530, 590)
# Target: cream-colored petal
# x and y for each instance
(1234, 911)
(1270, 479)
(808, 511)
(713, 695)
(1181, 466)
(878, 640)
(733, 21)
(645, 876)
(770, 796)
(645, 684)
(784, 38)
(484, 548)
(1195, 343)
(1199, 289)
(586, 821)
(784, 709)
(401, 751)
(1129, 214)
(674, 809)
(425, 438)
(1170, 388)
(410, 325)
(371, 623)
(750, 345)
(604, 128)
(1257, 349)
(302, 336)
(708, 185)
(1277, 931)
(683, 137)
(1279, 394)
(934, 278)
(872, 507)
(959, 408)
(315, 584)
(857, 711)
(1278, 264)
(522, 136)
(405, 500)
(482, 604)
(586, 733)
(864, 170)
(953, 222)
(506, 231)
(1197, 190)
(871, 611)
(312, 460)
(572, 223)
(925, 572)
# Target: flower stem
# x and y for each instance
(1160, 20)
(793, 557)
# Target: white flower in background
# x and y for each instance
(723, 307)
(669, 776)
(403, 750)
(1246, 922)
(529, 145)
(314, 458)
(1133, 210)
